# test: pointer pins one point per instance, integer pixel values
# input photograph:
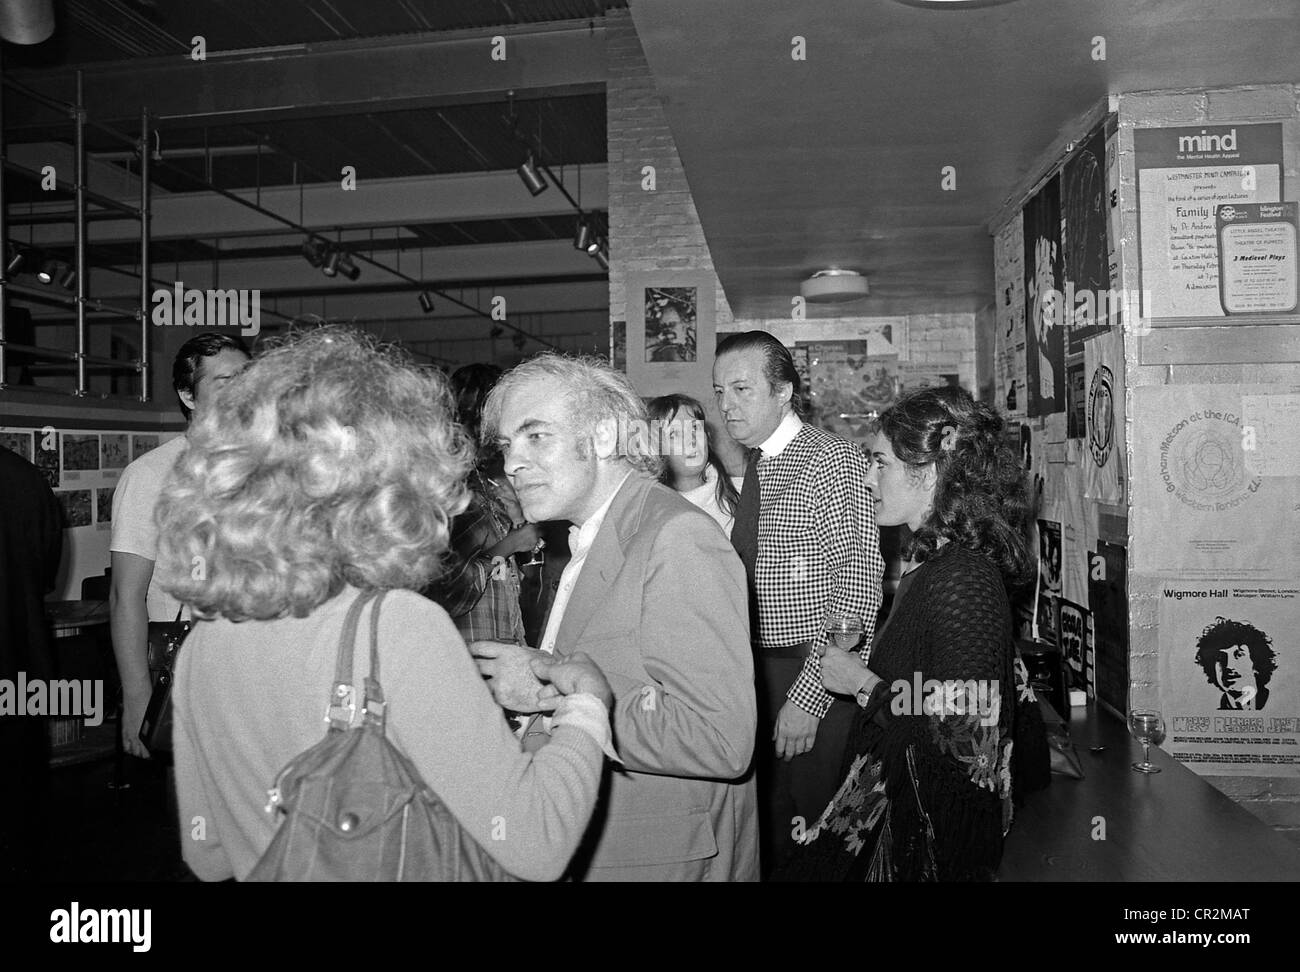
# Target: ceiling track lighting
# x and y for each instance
(17, 257)
(331, 268)
(426, 302)
(47, 271)
(532, 179)
(68, 278)
(348, 268)
(600, 257)
(583, 237)
(315, 251)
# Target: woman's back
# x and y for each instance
(251, 696)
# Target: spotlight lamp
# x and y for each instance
(47, 271)
(348, 268)
(533, 179)
(601, 257)
(426, 302)
(16, 260)
(68, 278)
(583, 239)
(331, 268)
(314, 251)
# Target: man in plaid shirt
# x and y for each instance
(806, 530)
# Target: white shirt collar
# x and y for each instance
(580, 537)
(775, 443)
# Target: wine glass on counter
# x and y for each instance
(1148, 728)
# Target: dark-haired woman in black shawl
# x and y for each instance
(928, 771)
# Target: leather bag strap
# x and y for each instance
(343, 697)
(373, 701)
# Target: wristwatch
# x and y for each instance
(863, 695)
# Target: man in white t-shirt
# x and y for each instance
(202, 365)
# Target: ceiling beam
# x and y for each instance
(369, 74)
(467, 265)
(320, 206)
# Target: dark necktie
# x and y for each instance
(744, 532)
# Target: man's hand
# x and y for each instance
(510, 674)
(796, 731)
(133, 709)
(842, 671)
(519, 540)
(571, 675)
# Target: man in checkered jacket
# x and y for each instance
(806, 531)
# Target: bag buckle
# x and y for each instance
(342, 707)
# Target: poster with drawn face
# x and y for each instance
(1045, 315)
(1229, 678)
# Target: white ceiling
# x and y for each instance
(836, 160)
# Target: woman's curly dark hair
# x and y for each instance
(980, 499)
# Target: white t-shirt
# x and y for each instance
(134, 530)
(706, 498)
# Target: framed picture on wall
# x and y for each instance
(671, 331)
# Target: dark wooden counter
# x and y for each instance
(1169, 826)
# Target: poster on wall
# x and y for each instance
(912, 376)
(1075, 625)
(16, 441)
(1184, 175)
(1103, 458)
(618, 346)
(1084, 208)
(1229, 685)
(850, 387)
(1077, 536)
(1076, 397)
(1270, 441)
(1258, 269)
(1116, 309)
(1009, 335)
(1108, 601)
(1049, 580)
(1203, 513)
(670, 332)
(1044, 302)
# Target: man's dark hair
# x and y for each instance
(185, 369)
(778, 365)
(1223, 634)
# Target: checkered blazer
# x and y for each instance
(818, 550)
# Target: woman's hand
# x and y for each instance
(843, 671)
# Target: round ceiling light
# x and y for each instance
(834, 286)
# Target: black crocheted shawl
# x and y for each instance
(927, 787)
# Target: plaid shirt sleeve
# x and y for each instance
(851, 544)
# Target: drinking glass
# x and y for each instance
(538, 558)
(1148, 728)
(846, 630)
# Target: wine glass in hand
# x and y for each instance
(845, 630)
(1148, 728)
